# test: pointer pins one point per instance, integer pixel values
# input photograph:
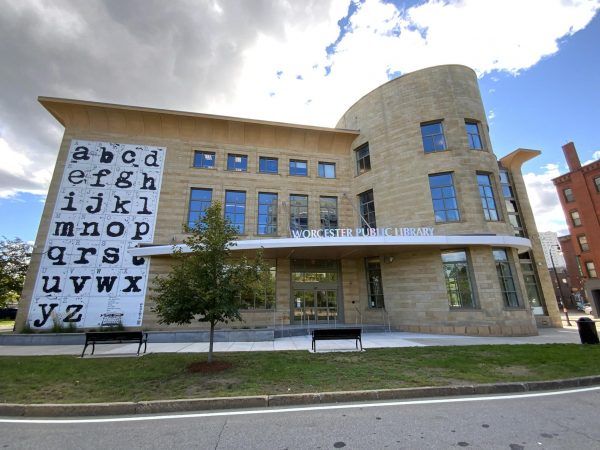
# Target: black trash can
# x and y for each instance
(587, 331)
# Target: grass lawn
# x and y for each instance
(67, 379)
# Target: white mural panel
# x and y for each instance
(107, 203)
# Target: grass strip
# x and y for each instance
(68, 379)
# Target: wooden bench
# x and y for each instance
(330, 334)
(115, 337)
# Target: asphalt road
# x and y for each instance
(543, 420)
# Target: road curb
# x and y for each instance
(282, 400)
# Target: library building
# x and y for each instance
(400, 216)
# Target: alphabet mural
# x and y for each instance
(106, 203)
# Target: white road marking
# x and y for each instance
(300, 409)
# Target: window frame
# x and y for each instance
(477, 134)
(327, 218)
(505, 271)
(202, 154)
(241, 226)
(293, 167)
(468, 276)
(366, 209)
(259, 215)
(298, 208)
(444, 198)
(486, 197)
(569, 198)
(202, 202)
(588, 271)
(266, 160)
(597, 183)
(375, 300)
(232, 164)
(430, 138)
(324, 165)
(584, 246)
(575, 221)
(362, 156)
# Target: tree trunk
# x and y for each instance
(211, 339)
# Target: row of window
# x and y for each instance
(568, 192)
(266, 164)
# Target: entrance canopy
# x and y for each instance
(344, 247)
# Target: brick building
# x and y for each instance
(400, 215)
(579, 193)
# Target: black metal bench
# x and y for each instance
(330, 334)
(115, 337)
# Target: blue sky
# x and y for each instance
(304, 62)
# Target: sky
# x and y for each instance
(298, 61)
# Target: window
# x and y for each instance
(374, 284)
(443, 196)
(433, 137)
(575, 218)
(458, 280)
(511, 204)
(363, 159)
(532, 286)
(235, 209)
(200, 199)
(487, 197)
(591, 269)
(597, 183)
(367, 210)
(473, 135)
(267, 213)
(507, 283)
(298, 212)
(326, 170)
(583, 243)
(568, 194)
(329, 213)
(204, 160)
(239, 163)
(267, 165)
(298, 168)
(264, 298)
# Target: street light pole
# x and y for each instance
(562, 302)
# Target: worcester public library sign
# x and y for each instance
(361, 232)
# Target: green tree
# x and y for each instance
(207, 283)
(14, 261)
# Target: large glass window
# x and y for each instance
(374, 283)
(267, 165)
(326, 170)
(204, 160)
(298, 168)
(473, 135)
(458, 279)
(486, 193)
(235, 209)
(264, 296)
(329, 212)
(532, 287)
(583, 243)
(507, 283)
(575, 218)
(445, 206)
(363, 159)
(267, 213)
(238, 163)
(568, 194)
(200, 199)
(298, 212)
(433, 137)
(367, 209)
(591, 269)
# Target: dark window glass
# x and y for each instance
(473, 135)
(583, 243)
(367, 209)
(486, 194)
(458, 281)
(204, 160)
(575, 218)
(267, 213)
(326, 170)
(507, 283)
(200, 199)
(235, 209)
(298, 212)
(298, 168)
(329, 213)
(568, 194)
(363, 159)
(267, 165)
(238, 163)
(445, 206)
(433, 137)
(374, 283)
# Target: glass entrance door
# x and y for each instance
(315, 305)
(315, 292)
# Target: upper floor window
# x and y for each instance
(235, 209)
(433, 137)
(239, 163)
(326, 170)
(329, 213)
(575, 218)
(298, 212)
(591, 269)
(204, 160)
(505, 276)
(583, 243)
(597, 183)
(568, 194)
(473, 135)
(367, 209)
(486, 193)
(267, 213)
(363, 159)
(267, 165)
(458, 279)
(443, 196)
(200, 199)
(298, 168)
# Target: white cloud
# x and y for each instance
(595, 157)
(491, 115)
(544, 200)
